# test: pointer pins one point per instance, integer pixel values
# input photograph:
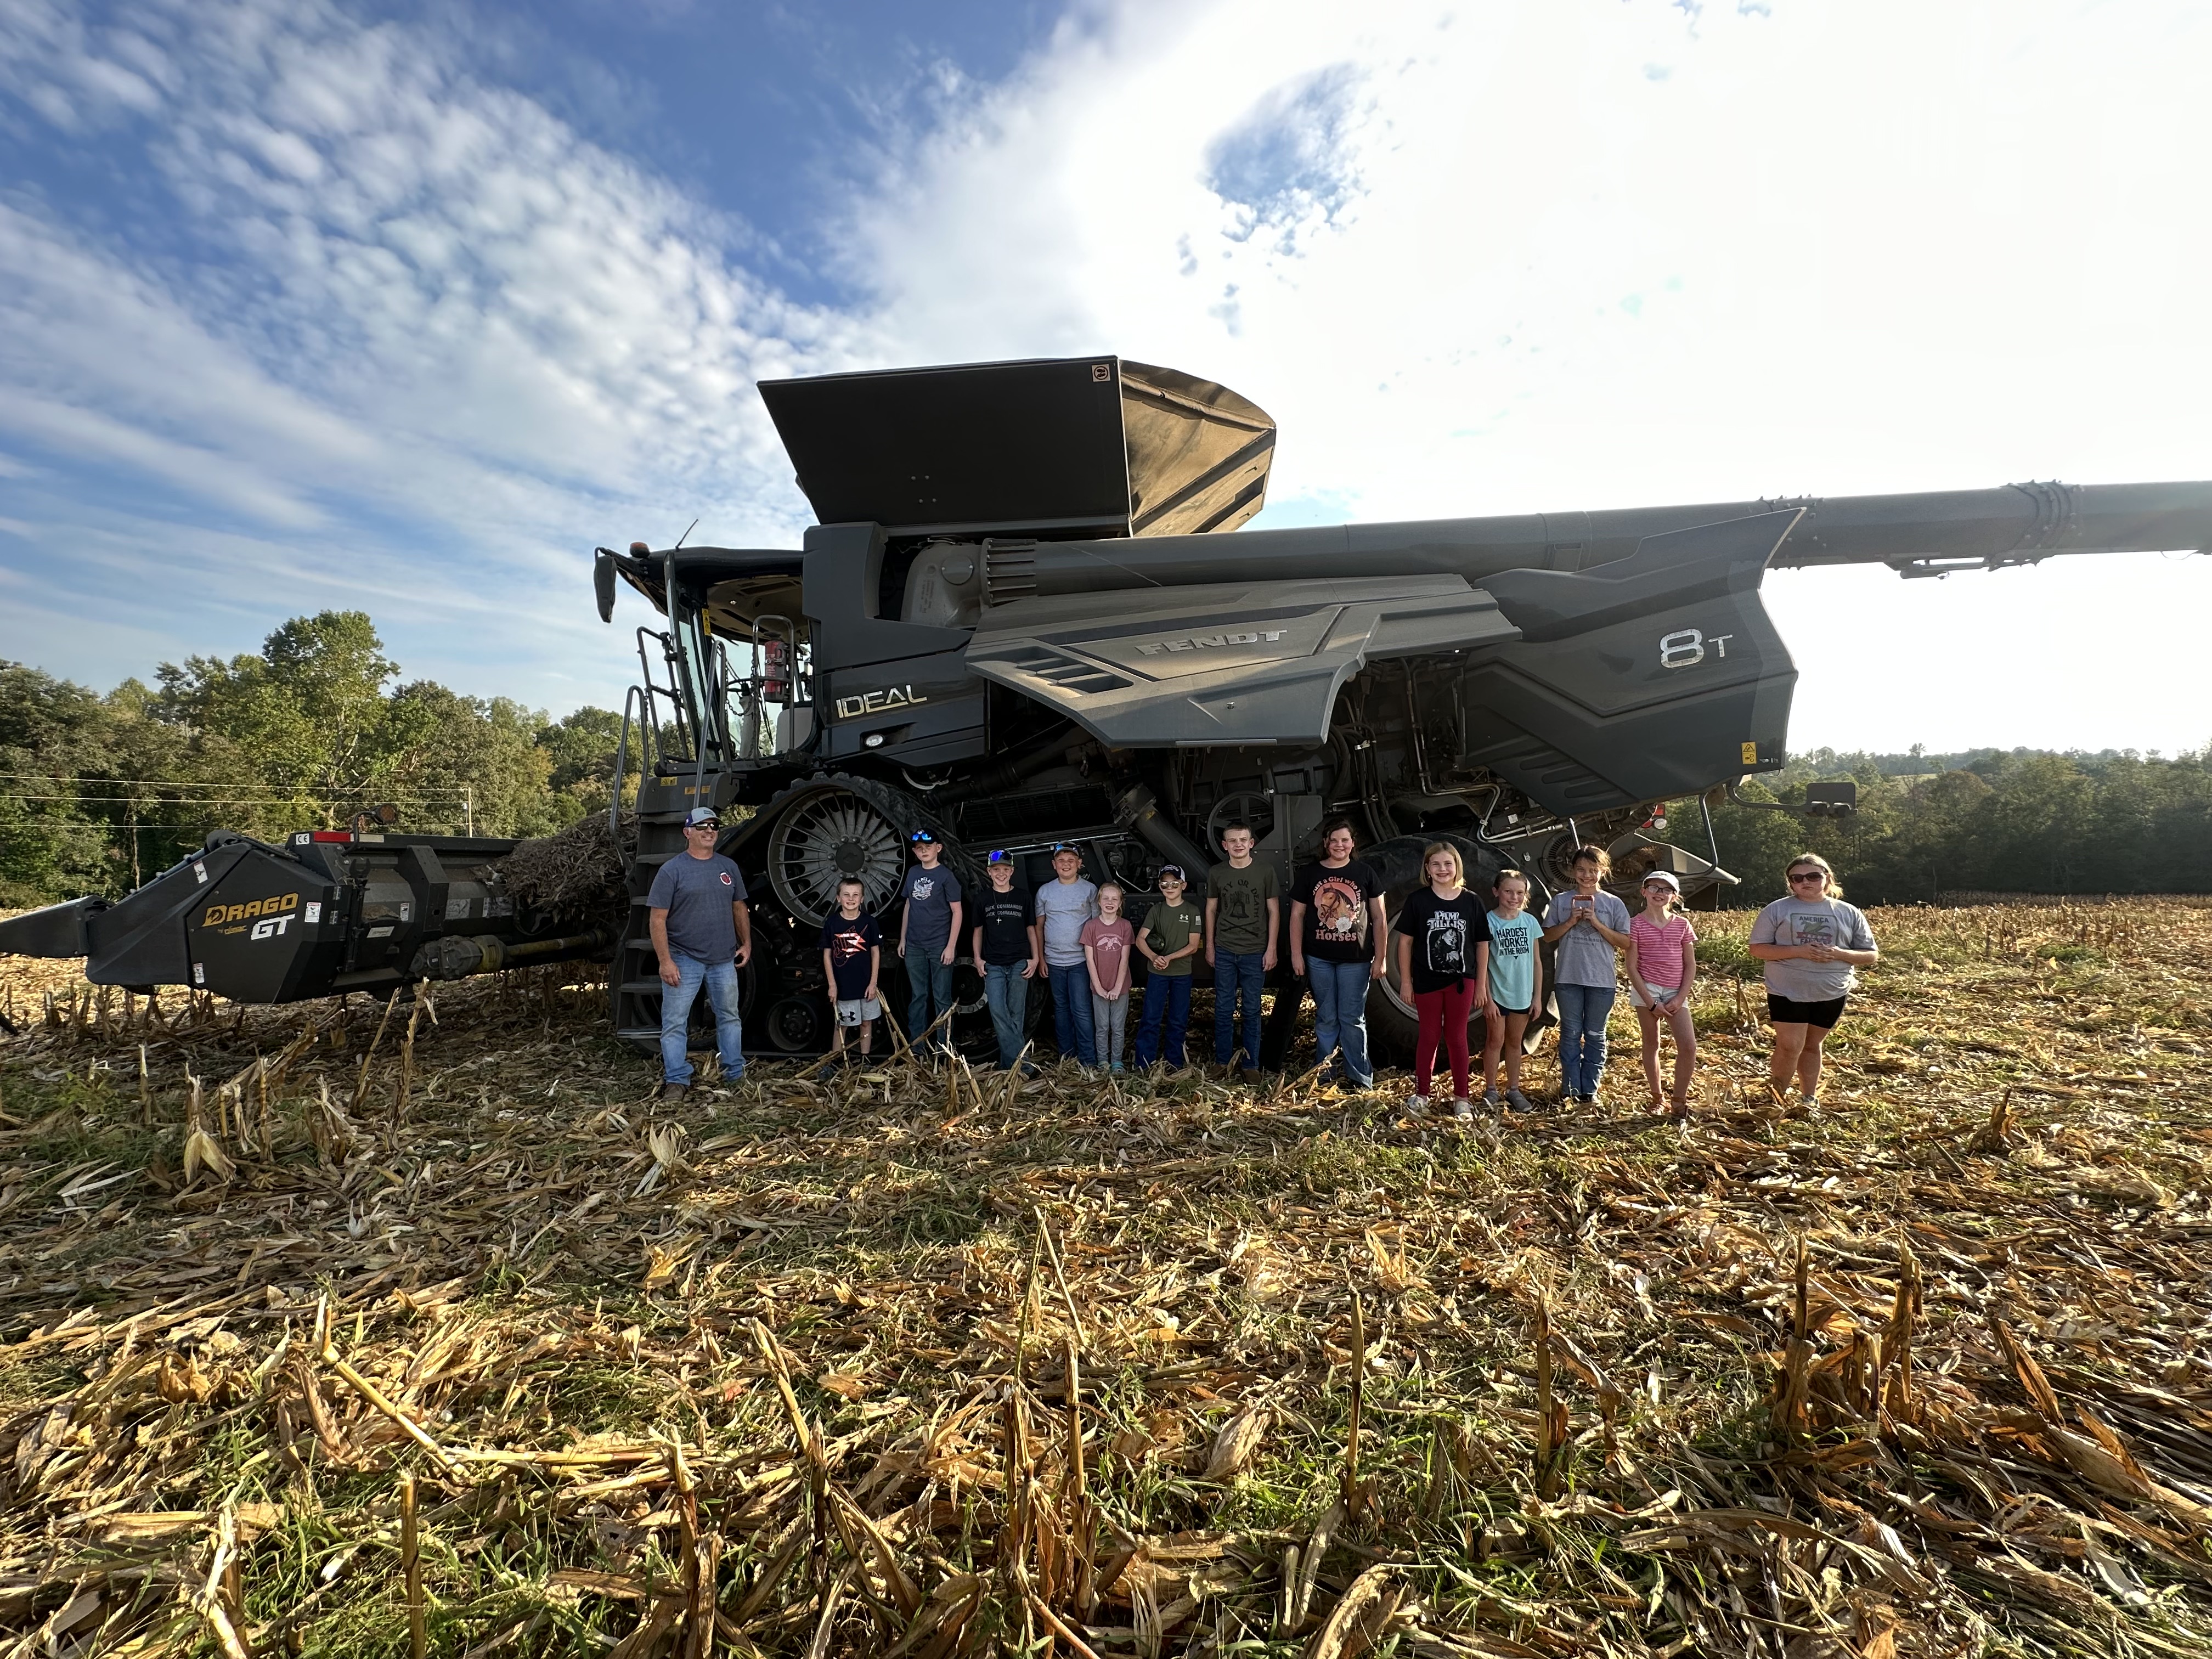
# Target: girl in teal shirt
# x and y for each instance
(1516, 985)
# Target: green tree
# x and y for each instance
(55, 741)
(581, 748)
(448, 748)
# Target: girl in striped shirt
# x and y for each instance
(1662, 965)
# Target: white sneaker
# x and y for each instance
(1462, 1108)
(1418, 1104)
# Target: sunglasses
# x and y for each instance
(1796, 875)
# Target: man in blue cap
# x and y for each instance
(702, 933)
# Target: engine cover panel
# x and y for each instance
(1229, 663)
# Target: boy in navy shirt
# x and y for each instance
(852, 960)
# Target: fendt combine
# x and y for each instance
(1021, 621)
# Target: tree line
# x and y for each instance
(2026, 821)
(98, 792)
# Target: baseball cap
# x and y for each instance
(1174, 870)
(699, 815)
(1661, 875)
(999, 855)
(921, 836)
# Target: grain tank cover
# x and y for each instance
(1093, 445)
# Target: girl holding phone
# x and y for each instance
(1586, 927)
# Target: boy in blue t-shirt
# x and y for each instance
(1516, 984)
(929, 934)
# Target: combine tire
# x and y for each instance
(823, 832)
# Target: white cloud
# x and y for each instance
(405, 336)
(396, 311)
(1834, 250)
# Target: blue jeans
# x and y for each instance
(1237, 973)
(1339, 994)
(1008, 994)
(1071, 1012)
(928, 981)
(1165, 995)
(1583, 1011)
(720, 979)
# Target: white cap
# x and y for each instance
(1661, 875)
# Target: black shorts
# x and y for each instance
(1785, 1011)
(1504, 1013)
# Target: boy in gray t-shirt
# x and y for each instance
(1062, 908)
(1063, 905)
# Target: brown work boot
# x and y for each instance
(672, 1092)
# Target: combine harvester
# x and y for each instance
(1022, 622)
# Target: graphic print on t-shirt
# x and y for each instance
(1240, 903)
(848, 944)
(1509, 939)
(1447, 945)
(1814, 929)
(1340, 912)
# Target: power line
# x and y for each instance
(244, 801)
(161, 783)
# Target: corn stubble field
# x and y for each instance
(456, 1347)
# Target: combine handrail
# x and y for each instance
(622, 747)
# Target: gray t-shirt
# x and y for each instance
(1812, 921)
(930, 896)
(697, 894)
(1062, 908)
(1582, 956)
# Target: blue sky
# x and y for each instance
(406, 305)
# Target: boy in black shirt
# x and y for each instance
(1005, 948)
(852, 957)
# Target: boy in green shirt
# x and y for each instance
(1173, 932)
(1244, 901)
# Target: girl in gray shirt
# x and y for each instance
(1813, 945)
(1587, 924)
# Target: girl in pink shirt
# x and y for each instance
(1105, 940)
(1662, 965)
